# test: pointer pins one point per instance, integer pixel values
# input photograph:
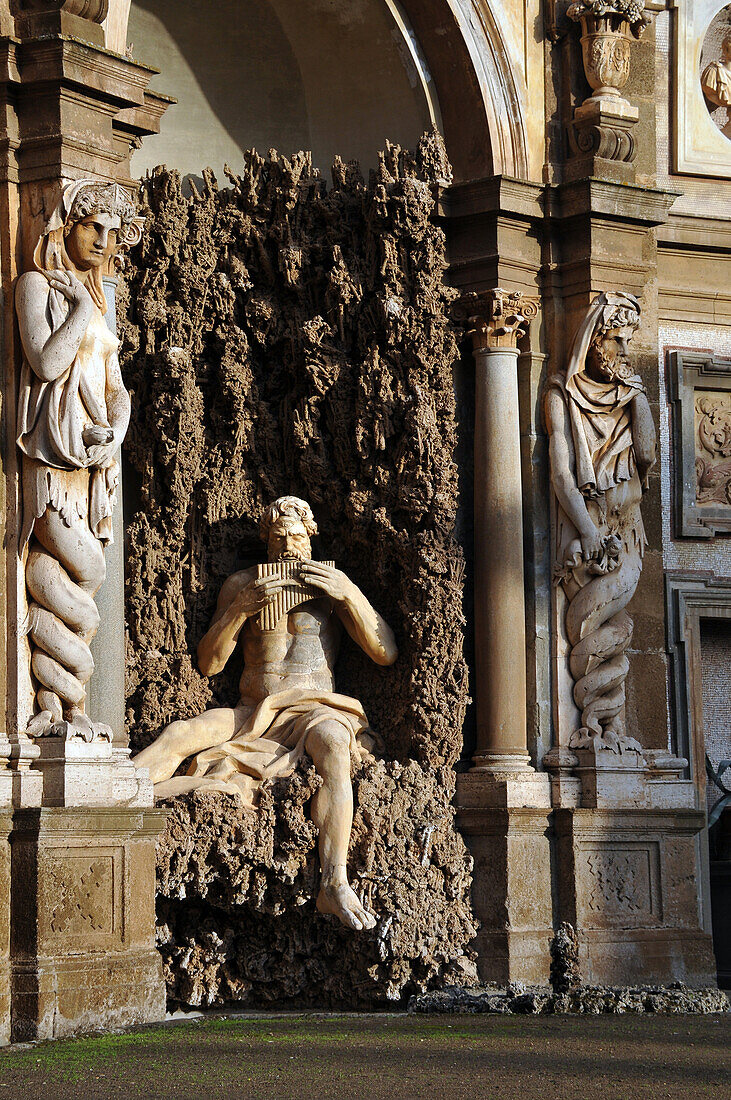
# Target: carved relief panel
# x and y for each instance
(619, 885)
(700, 390)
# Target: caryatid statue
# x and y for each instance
(73, 413)
(289, 615)
(602, 447)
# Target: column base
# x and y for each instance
(20, 783)
(628, 882)
(82, 949)
(502, 763)
(504, 821)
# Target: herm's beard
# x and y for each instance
(615, 368)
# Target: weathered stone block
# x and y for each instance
(628, 883)
(5, 821)
(82, 953)
(511, 892)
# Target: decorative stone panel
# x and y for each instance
(621, 885)
(700, 392)
(628, 882)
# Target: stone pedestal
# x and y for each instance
(604, 138)
(505, 823)
(5, 825)
(628, 882)
(82, 951)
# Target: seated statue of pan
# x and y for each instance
(289, 616)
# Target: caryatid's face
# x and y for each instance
(609, 355)
(288, 540)
(92, 241)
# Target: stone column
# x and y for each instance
(78, 875)
(499, 582)
(503, 803)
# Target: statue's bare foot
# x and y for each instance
(342, 901)
(609, 739)
(41, 725)
(78, 725)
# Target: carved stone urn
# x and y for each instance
(607, 28)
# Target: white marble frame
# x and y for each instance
(699, 147)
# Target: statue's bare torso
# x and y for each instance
(299, 653)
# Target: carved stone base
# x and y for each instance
(76, 773)
(603, 140)
(505, 826)
(628, 882)
(630, 780)
(38, 24)
(20, 783)
(82, 951)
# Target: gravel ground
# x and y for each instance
(386, 1057)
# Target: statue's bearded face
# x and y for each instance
(288, 540)
(608, 356)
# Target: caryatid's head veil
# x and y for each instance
(78, 200)
(611, 309)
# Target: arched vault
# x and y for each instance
(477, 90)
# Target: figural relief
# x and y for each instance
(73, 412)
(713, 448)
(716, 73)
(602, 447)
(289, 616)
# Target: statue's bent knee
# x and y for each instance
(329, 738)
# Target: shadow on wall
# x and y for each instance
(325, 75)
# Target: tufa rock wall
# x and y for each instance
(280, 337)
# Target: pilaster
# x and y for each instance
(77, 879)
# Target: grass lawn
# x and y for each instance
(386, 1057)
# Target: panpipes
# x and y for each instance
(294, 592)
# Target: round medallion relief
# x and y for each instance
(715, 70)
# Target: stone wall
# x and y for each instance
(280, 337)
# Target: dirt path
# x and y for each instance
(385, 1058)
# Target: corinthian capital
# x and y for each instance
(498, 318)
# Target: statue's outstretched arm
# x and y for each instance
(366, 627)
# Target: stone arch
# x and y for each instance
(477, 101)
(469, 61)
